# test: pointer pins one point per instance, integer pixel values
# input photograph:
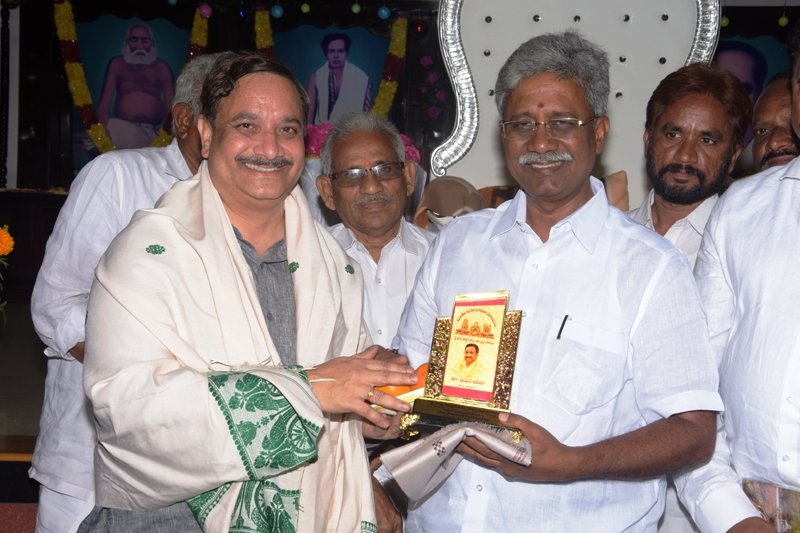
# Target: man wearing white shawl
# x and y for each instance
(205, 390)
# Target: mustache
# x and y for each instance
(534, 158)
(684, 169)
(278, 162)
(778, 153)
(377, 197)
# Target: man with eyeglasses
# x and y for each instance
(367, 182)
(614, 383)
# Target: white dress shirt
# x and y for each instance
(686, 233)
(632, 350)
(748, 274)
(100, 204)
(388, 282)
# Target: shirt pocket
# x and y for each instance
(589, 366)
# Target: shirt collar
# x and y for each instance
(347, 238)
(586, 223)
(791, 171)
(699, 216)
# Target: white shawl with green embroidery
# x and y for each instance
(189, 396)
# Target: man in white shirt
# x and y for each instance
(367, 181)
(746, 273)
(100, 204)
(774, 142)
(614, 383)
(695, 123)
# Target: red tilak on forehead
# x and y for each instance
(541, 105)
(367, 163)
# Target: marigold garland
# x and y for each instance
(391, 69)
(76, 76)
(263, 27)
(6, 246)
(6, 241)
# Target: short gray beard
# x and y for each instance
(133, 59)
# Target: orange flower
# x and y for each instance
(6, 241)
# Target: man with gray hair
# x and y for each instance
(101, 202)
(367, 181)
(615, 384)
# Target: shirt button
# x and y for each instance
(789, 400)
(380, 281)
(479, 488)
(380, 332)
(535, 266)
(785, 458)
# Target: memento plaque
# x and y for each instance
(471, 365)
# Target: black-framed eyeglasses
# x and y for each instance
(557, 128)
(353, 177)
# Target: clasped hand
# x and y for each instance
(346, 385)
(552, 460)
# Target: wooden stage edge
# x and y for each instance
(17, 448)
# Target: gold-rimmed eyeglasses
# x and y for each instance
(353, 177)
(557, 128)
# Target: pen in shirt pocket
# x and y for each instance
(563, 323)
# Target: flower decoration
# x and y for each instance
(391, 68)
(433, 87)
(76, 76)
(6, 246)
(264, 42)
(315, 138)
(198, 40)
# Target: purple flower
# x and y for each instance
(423, 89)
(426, 61)
(433, 111)
(432, 77)
(441, 95)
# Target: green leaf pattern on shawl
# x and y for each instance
(271, 438)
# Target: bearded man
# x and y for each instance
(141, 87)
(695, 123)
(694, 128)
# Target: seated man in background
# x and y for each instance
(101, 202)
(366, 180)
(774, 140)
(212, 337)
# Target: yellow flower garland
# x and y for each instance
(65, 28)
(388, 87)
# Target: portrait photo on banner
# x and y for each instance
(131, 66)
(340, 68)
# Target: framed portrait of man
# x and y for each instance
(340, 68)
(130, 65)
